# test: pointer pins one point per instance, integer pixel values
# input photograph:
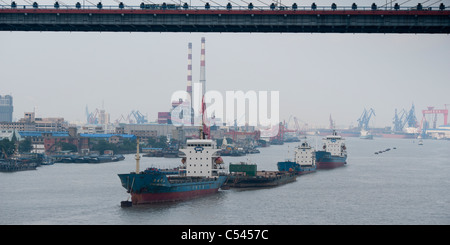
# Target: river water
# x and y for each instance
(407, 185)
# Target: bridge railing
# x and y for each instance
(222, 7)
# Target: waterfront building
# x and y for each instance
(441, 132)
(6, 108)
(9, 134)
(19, 126)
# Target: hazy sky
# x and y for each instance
(317, 74)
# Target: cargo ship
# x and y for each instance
(200, 174)
(334, 152)
(305, 160)
(398, 135)
(343, 132)
(244, 175)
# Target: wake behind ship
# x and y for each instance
(201, 174)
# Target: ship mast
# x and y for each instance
(204, 130)
(138, 157)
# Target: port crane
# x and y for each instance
(279, 138)
(332, 123)
(91, 118)
(127, 119)
(404, 118)
(296, 129)
(435, 112)
(140, 119)
(411, 119)
(364, 119)
(234, 134)
(398, 121)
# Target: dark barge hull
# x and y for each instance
(18, 167)
(261, 180)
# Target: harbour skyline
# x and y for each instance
(318, 75)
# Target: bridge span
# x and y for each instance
(223, 19)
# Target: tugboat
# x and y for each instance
(334, 152)
(366, 135)
(305, 160)
(201, 174)
(420, 140)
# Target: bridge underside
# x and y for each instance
(316, 22)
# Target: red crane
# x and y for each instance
(431, 110)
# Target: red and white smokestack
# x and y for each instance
(189, 74)
(202, 68)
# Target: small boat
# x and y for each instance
(101, 159)
(118, 157)
(366, 135)
(48, 161)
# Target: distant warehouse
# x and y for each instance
(111, 138)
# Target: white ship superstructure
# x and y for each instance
(335, 145)
(305, 155)
(202, 158)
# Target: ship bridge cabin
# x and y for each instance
(201, 158)
(335, 145)
(305, 155)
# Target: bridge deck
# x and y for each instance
(221, 20)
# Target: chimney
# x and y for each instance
(189, 74)
(202, 67)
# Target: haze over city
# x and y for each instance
(90, 115)
(59, 74)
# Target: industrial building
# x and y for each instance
(111, 138)
(48, 141)
(53, 124)
(19, 126)
(6, 108)
(148, 130)
(45, 142)
(9, 134)
(441, 132)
